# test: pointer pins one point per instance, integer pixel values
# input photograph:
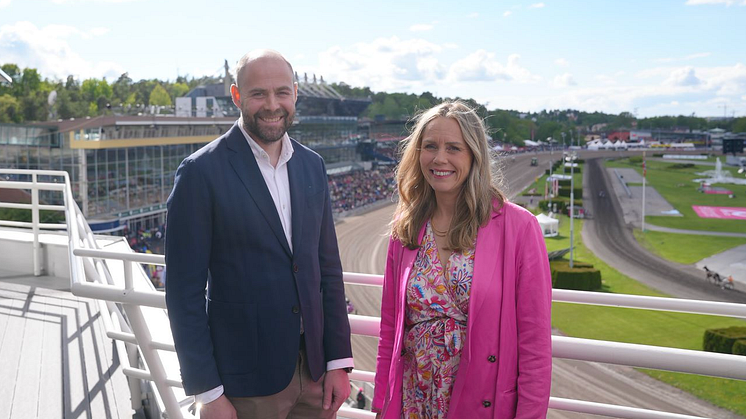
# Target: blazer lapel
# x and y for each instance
(296, 169)
(243, 162)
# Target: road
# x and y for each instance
(363, 240)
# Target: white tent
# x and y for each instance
(549, 225)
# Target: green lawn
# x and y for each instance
(677, 187)
(676, 330)
(685, 248)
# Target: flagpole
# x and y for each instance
(644, 177)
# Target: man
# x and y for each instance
(250, 217)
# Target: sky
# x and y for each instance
(650, 58)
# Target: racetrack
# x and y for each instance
(363, 240)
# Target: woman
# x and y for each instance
(465, 315)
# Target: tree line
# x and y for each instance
(27, 100)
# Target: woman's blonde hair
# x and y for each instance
(479, 194)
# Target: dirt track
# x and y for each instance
(363, 242)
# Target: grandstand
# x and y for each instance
(122, 167)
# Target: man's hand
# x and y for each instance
(336, 389)
(220, 408)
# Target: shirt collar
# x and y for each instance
(286, 151)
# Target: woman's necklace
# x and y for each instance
(437, 232)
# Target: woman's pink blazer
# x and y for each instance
(506, 363)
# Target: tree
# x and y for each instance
(177, 89)
(739, 125)
(159, 96)
(10, 109)
(122, 89)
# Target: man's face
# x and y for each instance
(266, 98)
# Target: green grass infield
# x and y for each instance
(657, 328)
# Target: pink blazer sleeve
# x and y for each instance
(388, 326)
(533, 311)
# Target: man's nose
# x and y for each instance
(272, 103)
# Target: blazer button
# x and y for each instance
(296, 310)
(491, 358)
(295, 268)
(486, 403)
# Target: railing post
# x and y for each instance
(152, 361)
(35, 224)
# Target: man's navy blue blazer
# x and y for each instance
(223, 231)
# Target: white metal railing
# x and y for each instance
(92, 277)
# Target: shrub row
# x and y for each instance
(731, 340)
(582, 276)
(566, 193)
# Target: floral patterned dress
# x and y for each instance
(436, 314)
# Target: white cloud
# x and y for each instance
(450, 45)
(384, 63)
(482, 66)
(92, 1)
(4, 3)
(698, 55)
(100, 31)
(471, 15)
(564, 80)
(604, 79)
(686, 58)
(683, 77)
(562, 62)
(47, 50)
(536, 6)
(421, 27)
(507, 13)
(725, 2)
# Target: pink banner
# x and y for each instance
(729, 213)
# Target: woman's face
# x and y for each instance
(445, 159)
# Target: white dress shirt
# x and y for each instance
(276, 178)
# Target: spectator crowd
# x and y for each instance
(359, 188)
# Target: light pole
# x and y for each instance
(572, 205)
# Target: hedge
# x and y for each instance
(739, 347)
(566, 192)
(582, 276)
(723, 340)
(562, 204)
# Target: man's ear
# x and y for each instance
(236, 96)
(295, 91)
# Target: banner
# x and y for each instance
(727, 213)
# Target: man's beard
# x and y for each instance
(265, 134)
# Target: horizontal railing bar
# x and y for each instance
(60, 173)
(23, 224)
(654, 357)
(130, 338)
(145, 375)
(363, 279)
(616, 411)
(6, 184)
(131, 257)
(15, 205)
(28, 224)
(353, 413)
(367, 376)
(680, 305)
(156, 299)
